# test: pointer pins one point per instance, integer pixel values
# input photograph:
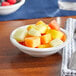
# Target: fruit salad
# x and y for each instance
(40, 35)
(8, 2)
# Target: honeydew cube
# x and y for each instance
(55, 34)
(34, 32)
(32, 41)
(44, 46)
(45, 38)
(55, 42)
(20, 34)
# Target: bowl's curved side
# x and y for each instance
(39, 54)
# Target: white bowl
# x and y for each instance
(5, 10)
(38, 52)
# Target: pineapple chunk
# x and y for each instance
(48, 28)
(41, 26)
(40, 23)
(55, 42)
(55, 34)
(30, 27)
(20, 34)
(34, 32)
(32, 41)
(44, 46)
(45, 38)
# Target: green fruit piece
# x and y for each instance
(20, 34)
(34, 32)
(56, 42)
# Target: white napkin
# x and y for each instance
(68, 56)
(72, 61)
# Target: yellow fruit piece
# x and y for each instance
(20, 34)
(28, 35)
(40, 23)
(55, 42)
(55, 34)
(49, 27)
(30, 27)
(45, 38)
(32, 41)
(34, 32)
(41, 26)
(44, 46)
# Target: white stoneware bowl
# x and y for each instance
(38, 52)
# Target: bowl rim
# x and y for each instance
(11, 6)
(38, 49)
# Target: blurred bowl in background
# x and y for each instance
(5, 10)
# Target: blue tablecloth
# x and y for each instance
(37, 9)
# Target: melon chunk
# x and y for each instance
(54, 25)
(34, 32)
(32, 41)
(55, 42)
(45, 38)
(63, 38)
(20, 34)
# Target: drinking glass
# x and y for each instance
(67, 4)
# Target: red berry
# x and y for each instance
(22, 43)
(5, 4)
(12, 1)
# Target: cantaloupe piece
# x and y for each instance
(45, 38)
(34, 32)
(54, 25)
(55, 42)
(44, 46)
(55, 34)
(20, 34)
(63, 38)
(32, 41)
